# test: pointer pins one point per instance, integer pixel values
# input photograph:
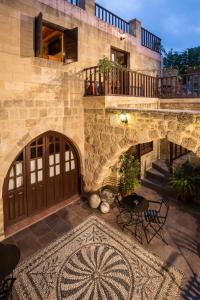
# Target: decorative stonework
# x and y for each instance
(96, 261)
(106, 137)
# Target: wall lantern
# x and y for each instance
(122, 36)
(123, 118)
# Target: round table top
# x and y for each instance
(9, 258)
(135, 203)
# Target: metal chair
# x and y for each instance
(155, 219)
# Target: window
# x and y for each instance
(54, 42)
(146, 148)
(119, 57)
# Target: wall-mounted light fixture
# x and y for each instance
(122, 36)
(123, 118)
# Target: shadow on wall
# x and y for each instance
(27, 36)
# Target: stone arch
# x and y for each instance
(181, 128)
(16, 144)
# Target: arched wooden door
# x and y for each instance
(45, 173)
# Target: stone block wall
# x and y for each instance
(149, 158)
(106, 138)
(181, 103)
(37, 95)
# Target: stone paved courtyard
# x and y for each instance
(182, 234)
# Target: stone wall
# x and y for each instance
(131, 102)
(106, 137)
(37, 95)
(181, 103)
(149, 158)
(191, 157)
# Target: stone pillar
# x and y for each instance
(90, 6)
(135, 29)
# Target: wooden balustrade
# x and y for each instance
(185, 86)
(130, 83)
(151, 41)
(119, 82)
(79, 3)
(110, 18)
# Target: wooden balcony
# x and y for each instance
(119, 82)
(185, 86)
(126, 82)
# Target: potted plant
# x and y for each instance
(182, 181)
(129, 171)
(105, 65)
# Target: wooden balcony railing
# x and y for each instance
(79, 3)
(186, 86)
(151, 41)
(119, 82)
(175, 152)
(110, 18)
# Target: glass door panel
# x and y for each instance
(36, 184)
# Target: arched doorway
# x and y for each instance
(44, 173)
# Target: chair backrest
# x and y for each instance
(164, 208)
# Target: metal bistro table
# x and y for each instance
(136, 205)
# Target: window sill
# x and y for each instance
(43, 62)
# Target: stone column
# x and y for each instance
(90, 6)
(135, 29)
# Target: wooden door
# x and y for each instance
(70, 175)
(120, 58)
(35, 170)
(14, 195)
(54, 174)
(43, 174)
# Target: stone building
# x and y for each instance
(57, 137)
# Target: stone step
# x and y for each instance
(157, 175)
(161, 166)
(158, 186)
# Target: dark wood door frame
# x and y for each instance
(23, 209)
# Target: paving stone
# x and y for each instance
(40, 228)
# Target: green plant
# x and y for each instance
(182, 181)
(129, 171)
(105, 65)
(185, 61)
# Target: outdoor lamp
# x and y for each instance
(122, 36)
(123, 118)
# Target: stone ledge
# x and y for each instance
(159, 111)
(180, 100)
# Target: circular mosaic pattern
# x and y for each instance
(95, 272)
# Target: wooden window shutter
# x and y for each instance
(71, 44)
(38, 35)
